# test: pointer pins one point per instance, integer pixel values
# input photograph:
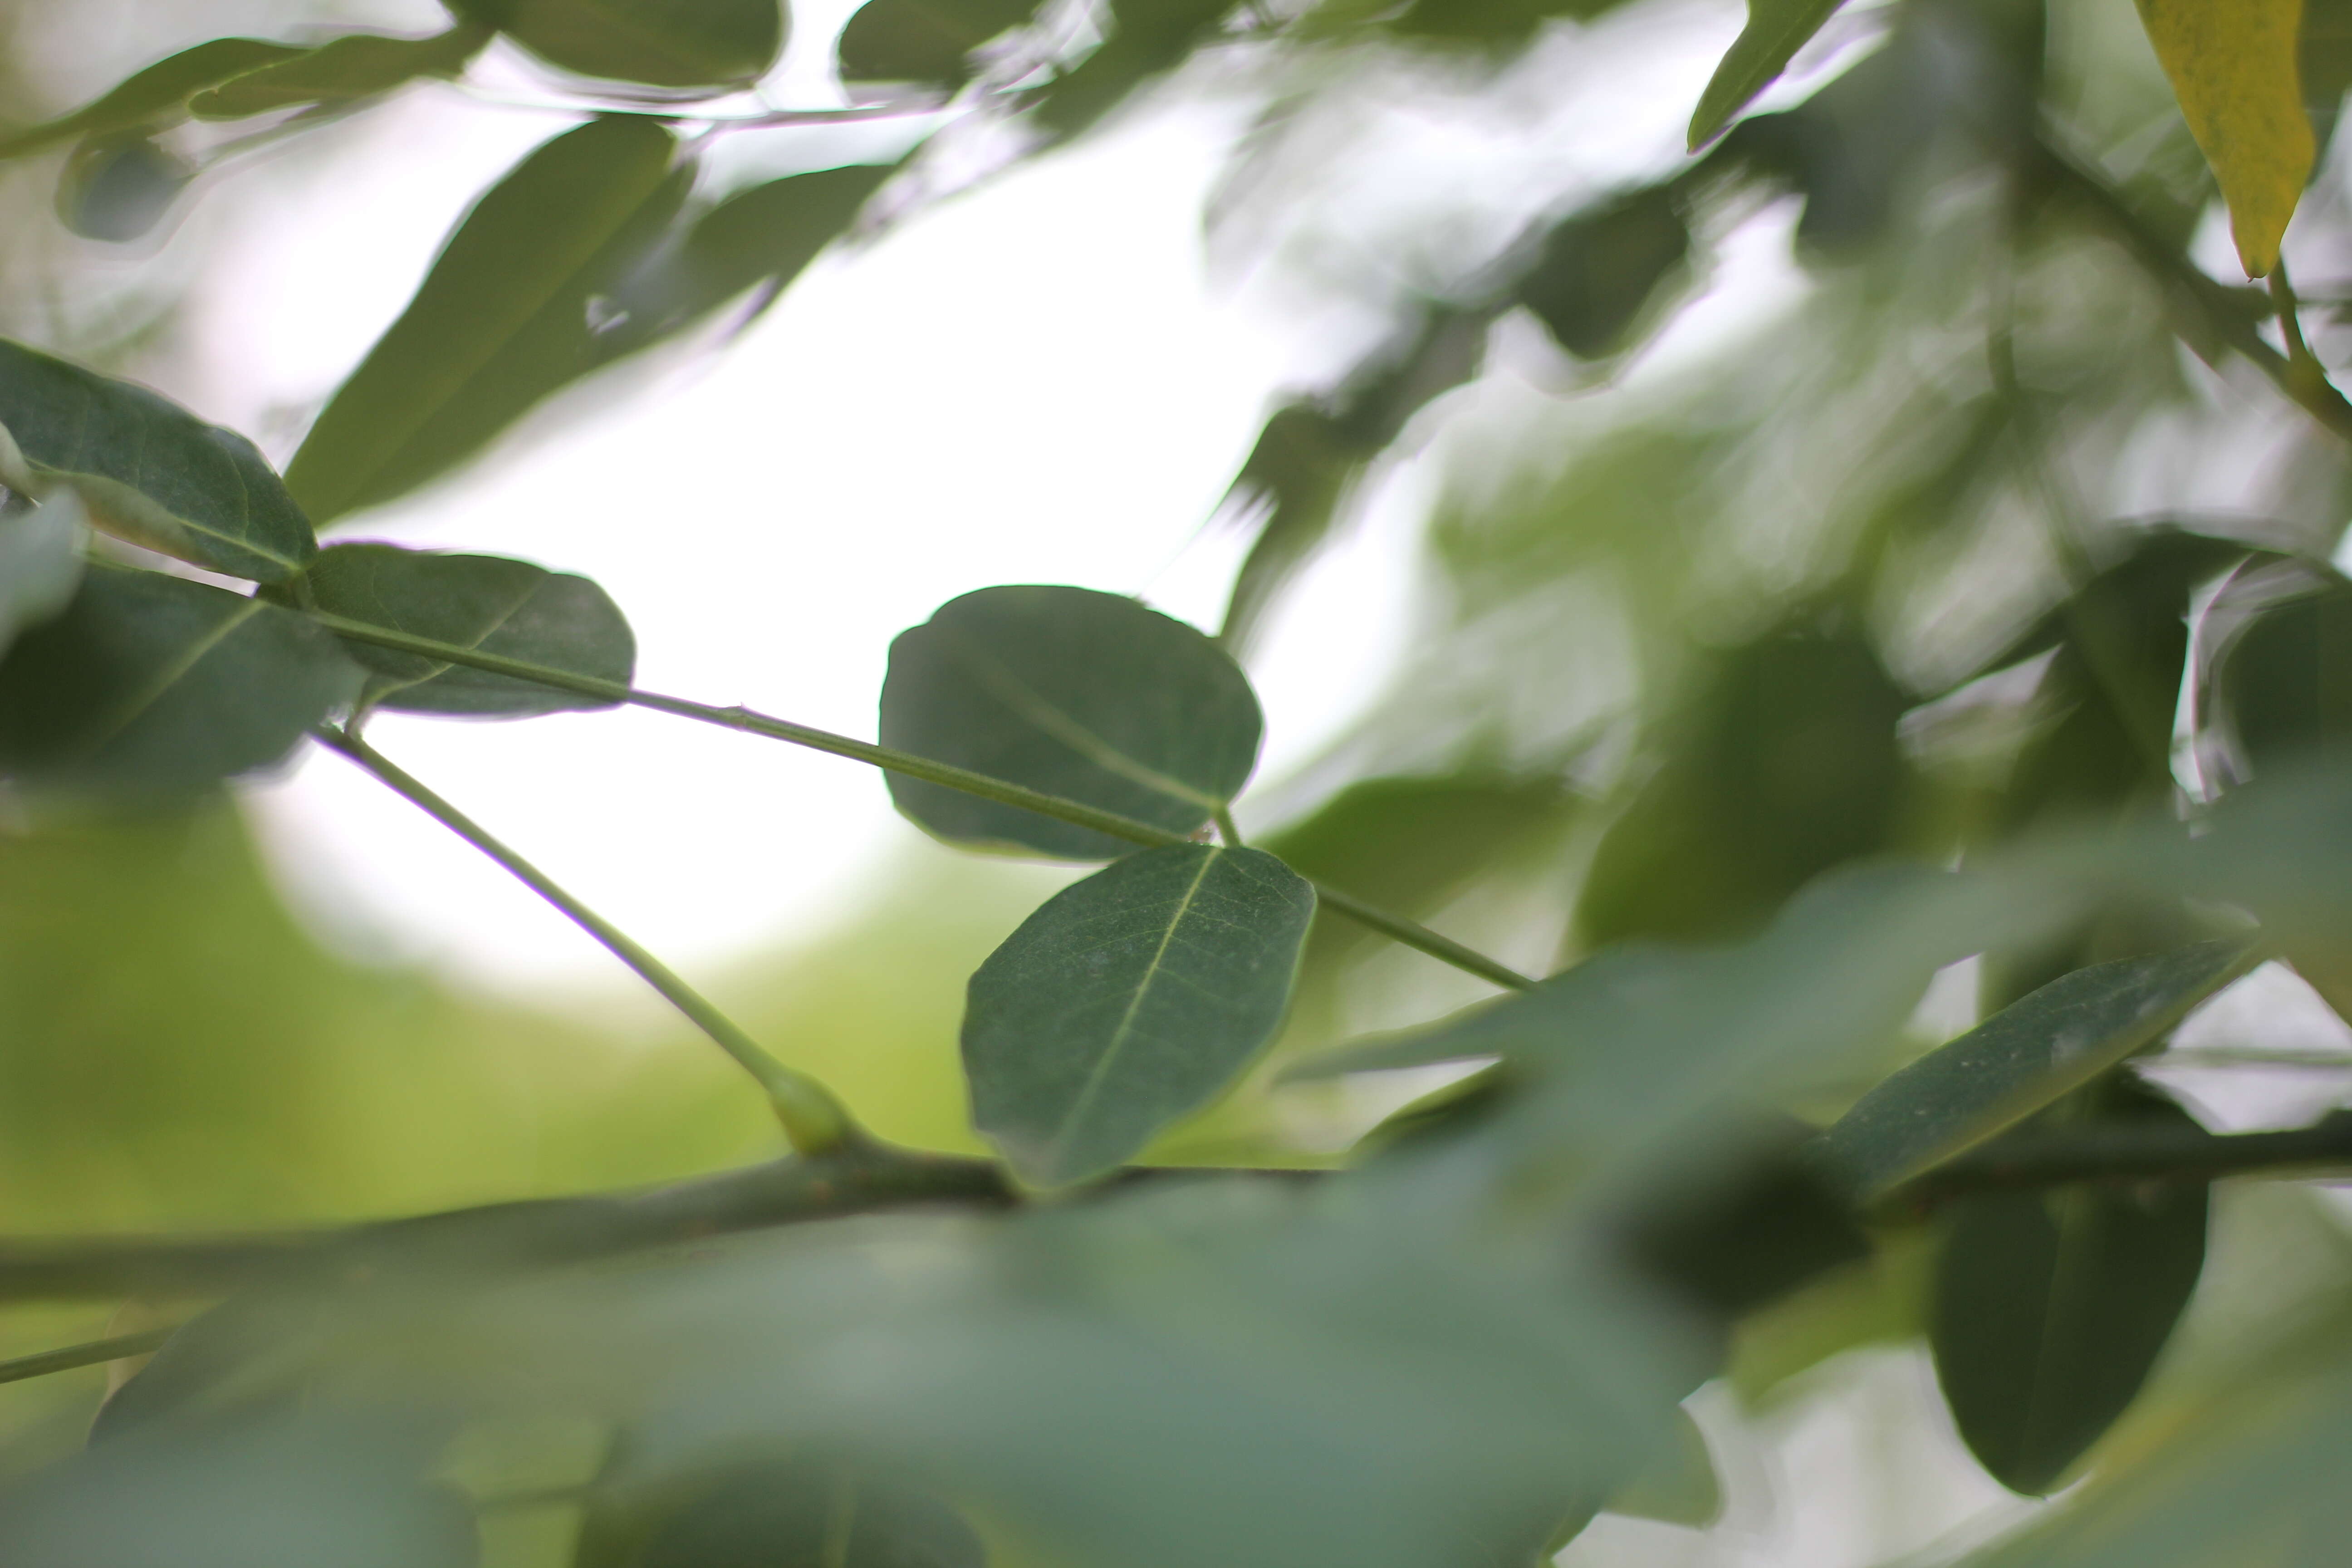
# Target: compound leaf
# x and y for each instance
(1084, 695)
(147, 469)
(502, 319)
(1129, 1001)
(2051, 1307)
(158, 94)
(1776, 30)
(663, 43)
(498, 605)
(2234, 66)
(154, 685)
(2020, 1059)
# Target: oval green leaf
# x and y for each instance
(155, 96)
(365, 65)
(1127, 1002)
(147, 469)
(1084, 695)
(154, 685)
(2023, 1058)
(118, 188)
(923, 41)
(1776, 30)
(2049, 1307)
(40, 561)
(489, 603)
(503, 319)
(663, 43)
(1601, 269)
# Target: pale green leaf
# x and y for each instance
(2234, 67)
(511, 608)
(1776, 30)
(1679, 1485)
(40, 561)
(2023, 1058)
(155, 96)
(1084, 695)
(147, 469)
(1129, 1001)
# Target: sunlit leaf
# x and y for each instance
(363, 65)
(150, 685)
(498, 605)
(1084, 695)
(117, 188)
(503, 319)
(40, 561)
(2233, 67)
(155, 96)
(1776, 30)
(665, 43)
(922, 40)
(2051, 1306)
(147, 469)
(1127, 1002)
(2020, 1059)
(1601, 269)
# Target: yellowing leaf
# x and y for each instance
(2232, 65)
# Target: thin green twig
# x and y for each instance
(93, 1353)
(1410, 933)
(815, 1122)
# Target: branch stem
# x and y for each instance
(815, 1122)
(94, 1353)
(2124, 1151)
(1410, 933)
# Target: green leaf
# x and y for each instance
(2234, 66)
(40, 561)
(664, 43)
(2051, 1306)
(922, 40)
(118, 188)
(1601, 269)
(2283, 690)
(801, 1511)
(155, 96)
(154, 685)
(1147, 37)
(503, 319)
(2023, 1058)
(1776, 30)
(1679, 1485)
(498, 605)
(362, 66)
(1083, 695)
(148, 470)
(1127, 1002)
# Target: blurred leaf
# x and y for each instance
(195, 1375)
(155, 96)
(1776, 30)
(503, 319)
(361, 65)
(1494, 23)
(1783, 764)
(2049, 1307)
(154, 685)
(1084, 695)
(40, 561)
(1601, 269)
(663, 43)
(147, 469)
(2285, 686)
(2019, 1060)
(511, 608)
(2233, 67)
(1745, 1223)
(117, 188)
(1127, 1002)
(1678, 1487)
(1147, 37)
(800, 1513)
(1879, 1300)
(923, 41)
(2324, 61)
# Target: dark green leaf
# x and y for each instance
(155, 96)
(1776, 30)
(1083, 695)
(503, 319)
(148, 470)
(665, 43)
(2020, 1059)
(1601, 269)
(150, 685)
(40, 561)
(497, 605)
(2325, 56)
(117, 188)
(923, 41)
(1127, 1002)
(362, 66)
(1147, 37)
(2051, 1306)
(2284, 686)
(1494, 23)
(1743, 1222)
(806, 1514)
